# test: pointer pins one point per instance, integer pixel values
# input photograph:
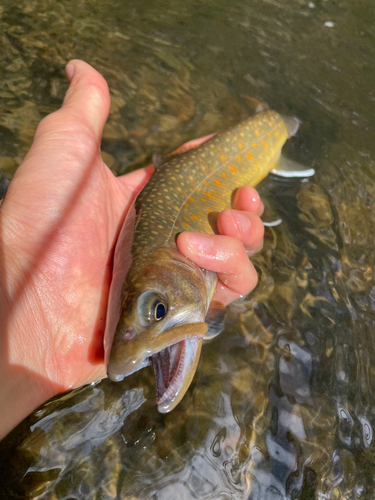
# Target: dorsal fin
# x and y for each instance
(255, 105)
(158, 160)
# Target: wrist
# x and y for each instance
(23, 387)
(21, 392)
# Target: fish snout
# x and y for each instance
(128, 353)
(121, 367)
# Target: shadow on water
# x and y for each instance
(282, 406)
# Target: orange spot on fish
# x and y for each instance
(276, 132)
(257, 133)
(190, 198)
(208, 194)
(240, 146)
(222, 158)
(233, 169)
(250, 156)
(201, 213)
(217, 182)
(224, 175)
(209, 211)
(187, 218)
(239, 157)
(186, 224)
(186, 204)
(265, 144)
(269, 134)
(254, 145)
(194, 217)
(204, 199)
(205, 183)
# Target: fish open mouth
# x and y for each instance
(174, 369)
(174, 355)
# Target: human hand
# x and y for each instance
(59, 223)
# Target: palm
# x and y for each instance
(69, 220)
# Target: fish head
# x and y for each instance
(162, 322)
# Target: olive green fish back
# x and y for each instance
(185, 190)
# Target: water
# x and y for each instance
(282, 406)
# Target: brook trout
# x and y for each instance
(158, 298)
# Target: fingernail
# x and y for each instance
(242, 223)
(199, 243)
(69, 71)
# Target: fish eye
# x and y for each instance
(152, 307)
(159, 311)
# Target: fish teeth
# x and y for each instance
(168, 368)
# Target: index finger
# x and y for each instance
(225, 256)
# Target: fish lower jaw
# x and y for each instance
(174, 369)
(116, 374)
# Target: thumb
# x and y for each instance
(87, 98)
(86, 104)
(67, 139)
(65, 147)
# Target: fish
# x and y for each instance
(159, 300)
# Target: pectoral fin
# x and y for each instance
(292, 124)
(273, 223)
(289, 169)
(215, 319)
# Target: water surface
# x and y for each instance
(283, 403)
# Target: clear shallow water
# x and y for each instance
(283, 402)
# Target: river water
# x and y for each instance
(283, 402)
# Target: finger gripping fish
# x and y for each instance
(159, 299)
